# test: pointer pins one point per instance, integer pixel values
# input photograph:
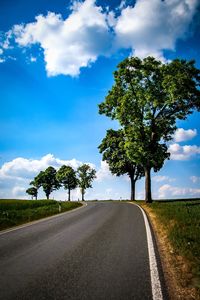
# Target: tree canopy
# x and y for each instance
(114, 153)
(47, 179)
(32, 191)
(147, 98)
(66, 176)
(86, 175)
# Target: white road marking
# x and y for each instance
(41, 220)
(155, 280)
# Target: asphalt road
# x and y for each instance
(97, 252)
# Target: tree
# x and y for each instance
(114, 153)
(86, 175)
(66, 176)
(147, 98)
(36, 184)
(47, 179)
(32, 191)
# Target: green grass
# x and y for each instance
(182, 221)
(16, 212)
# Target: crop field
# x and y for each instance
(182, 221)
(16, 212)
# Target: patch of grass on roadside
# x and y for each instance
(182, 221)
(16, 212)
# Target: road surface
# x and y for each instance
(98, 252)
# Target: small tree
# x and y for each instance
(47, 179)
(147, 98)
(85, 177)
(36, 184)
(33, 192)
(66, 176)
(114, 153)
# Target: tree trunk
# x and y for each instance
(82, 193)
(132, 187)
(68, 194)
(148, 198)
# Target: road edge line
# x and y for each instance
(155, 279)
(40, 220)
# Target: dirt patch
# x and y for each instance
(176, 269)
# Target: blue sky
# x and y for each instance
(56, 65)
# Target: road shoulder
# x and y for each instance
(174, 267)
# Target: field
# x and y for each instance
(16, 212)
(181, 221)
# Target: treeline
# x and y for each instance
(66, 177)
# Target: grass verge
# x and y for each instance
(17, 212)
(177, 226)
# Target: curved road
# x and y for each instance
(96, 252)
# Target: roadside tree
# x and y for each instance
(147, 98)
(32, 191)
(114, 153)
(66, 176)
(47, 179)
(86, 175)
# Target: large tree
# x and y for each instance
(147, 98)
(114, 153)
(66, 176)
(47, 179)
(86, 175)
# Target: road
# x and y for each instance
(97, 252)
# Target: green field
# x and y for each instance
(182, 221)
(16, 212)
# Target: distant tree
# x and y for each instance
(33, 192)
(47, 179)
(147, 98)
(36, 184)
(86, 175)
(114, 153)
(66, 176)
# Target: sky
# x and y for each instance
(57, 59)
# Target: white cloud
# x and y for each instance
(68, 44)
(168, 191)
(195, 179)
(89, 31)
(159, 178)
(182, 135)
(19, 191)
(23, 168)
(104, 172)
(151, 26)
(185, 152)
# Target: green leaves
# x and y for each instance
(47, 179)
(147, 98)
(66, 176)
(86, 175)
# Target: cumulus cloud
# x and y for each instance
(23, 168)
(185, 152)
(69, 44)
(16, 174)
(168, 191)
(104, 172)
(182, 135)
(89, 31)
(152, 26)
